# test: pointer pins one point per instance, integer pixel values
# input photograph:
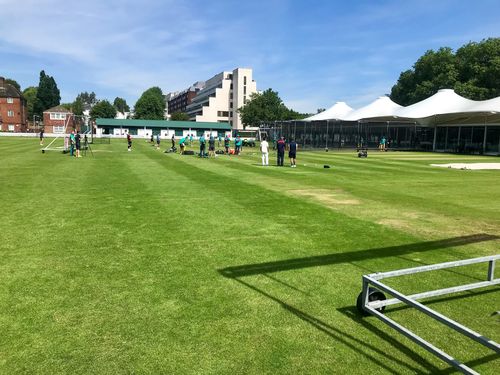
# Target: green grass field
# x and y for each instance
(150, 263)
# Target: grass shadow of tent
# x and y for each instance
(351, 256)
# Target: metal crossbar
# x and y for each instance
(375, 307)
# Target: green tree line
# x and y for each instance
(473, 72)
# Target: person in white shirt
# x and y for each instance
(264, 148)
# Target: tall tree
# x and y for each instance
(121, 105)
(479, 69)
(103, 109)
(48, 94)
(151, 105)
(77, 107)
(265, 108)
(474, 72)
(30, 96)
(88, 100)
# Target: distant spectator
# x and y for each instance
(72, 143)
(227, 141)
(77, 144)
(237, 144)
(182, 144)
(382, 143)
(158, 140)
(281, 151)
(211, 146)
(292, 153)
(264, 148)
(202, 145)
(173, 141)
(129, 142)
(41, 137)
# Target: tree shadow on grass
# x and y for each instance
(373, 353)
(352, 256)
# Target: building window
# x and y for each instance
(230, 104)
(244, 90)
(230, 113)
(230, 95)
(57, 116)
(229, 76)
(10, 100)
(10, 113)
(231, 86)
(58, 129)
(222, 113)
(11, 127)
(244, 100)
(244, 80)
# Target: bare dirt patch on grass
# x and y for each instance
(329, 198)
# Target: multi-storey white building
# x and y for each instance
(222, 96)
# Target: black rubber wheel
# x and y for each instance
(373, 295)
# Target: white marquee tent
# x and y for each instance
(445, 105)
(491, 105)
(444, 101)
(337, 111)
(381, 107)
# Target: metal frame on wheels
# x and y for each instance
(372, 301)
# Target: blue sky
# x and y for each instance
(313, 53)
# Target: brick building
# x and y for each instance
(57, 118)
(12, 108)
(177, 102)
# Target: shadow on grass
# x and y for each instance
(286, 284)
(352, 256)
(378, 356)
(373, 353)
(352, 313)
